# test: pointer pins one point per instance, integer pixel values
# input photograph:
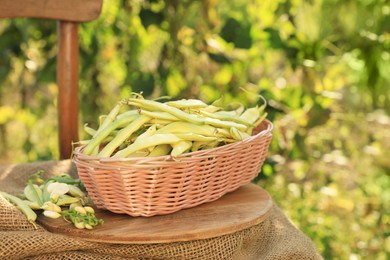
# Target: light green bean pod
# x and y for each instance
(226, 116)
(123, 135)
(22, 206)
(197, 137)
(127, 114)
(211, 109)
(224, 124)
(89, 130)
(159, 115)
(151, 130)
(185, 127)
(110, 117)
(33, 193)
(251, 115)
(146, 142)
(160, 150)
(187, 103)
(95, 142)
(237, 134)
(180, 148)
(157, 106)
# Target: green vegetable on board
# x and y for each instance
(57, 196)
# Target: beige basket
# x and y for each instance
(161, 185)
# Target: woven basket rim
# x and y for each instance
(266, 131)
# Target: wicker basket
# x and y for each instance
(161, 185)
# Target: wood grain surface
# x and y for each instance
(68, 82)
(66, 10)
(243, 208)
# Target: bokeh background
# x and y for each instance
(322, 65)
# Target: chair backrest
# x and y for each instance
(68, 13)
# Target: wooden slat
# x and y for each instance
(67, 80)
(67, 10)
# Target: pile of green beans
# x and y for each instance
(51, 196)
(138, 127)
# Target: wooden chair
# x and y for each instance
(68, 13)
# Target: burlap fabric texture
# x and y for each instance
(275, 238)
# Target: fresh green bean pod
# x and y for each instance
(127, 114)
(45, 192)
(141, 153)
(159, 115)
(185, 127)
(21, 205)
(237, 134)
(198, 145)
(211, 109)
(250, 115)
(160, 150)
(187, 103)
(157, 106)
(180, 148)
(95, 142)
(160, 122)
(123, 135)
(224, 124)
(65, 200)
(89, 130)
(146, 142)
(110, 117)
(225, 116)
(33, 193)
(197, 137)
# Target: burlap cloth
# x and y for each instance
(275, 238)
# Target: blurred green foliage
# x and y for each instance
(323, 66)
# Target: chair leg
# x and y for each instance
(67, 80)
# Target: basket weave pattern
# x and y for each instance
(162, 185)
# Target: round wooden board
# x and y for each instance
(235, 211)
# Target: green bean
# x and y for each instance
(22, 206)
(255, 124)
(261, 119)
(224, 124)
(237, 134)
(140, 153)
(151, 130)
(89, 130)
(250, 115)
(180, 148)
(106, 132)
(211, 109)
(110, 117)
(127, 114)
(159, 115)
(156, 106)
(185, 127)
(225, 116)
(187, 103)
(160, 122)
(198, 145)
(146, 142)
(33, 193)
(160, 150)
(197, 137)
(123, 135)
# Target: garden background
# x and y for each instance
(322, 65)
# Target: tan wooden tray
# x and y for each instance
(243, 208)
